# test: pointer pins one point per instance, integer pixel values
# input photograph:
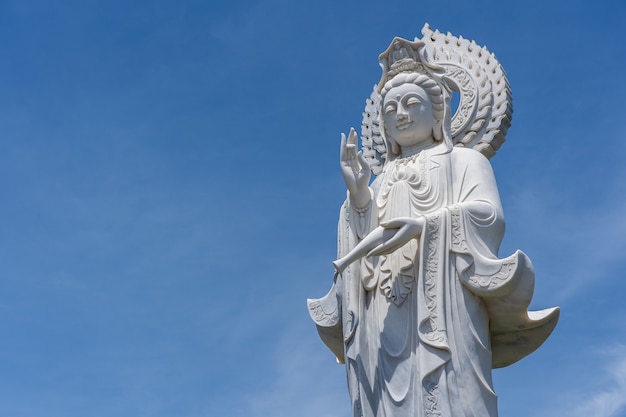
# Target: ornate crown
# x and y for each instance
(405, 56)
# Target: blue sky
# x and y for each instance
(170, 186)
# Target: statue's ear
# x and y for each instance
(438, 130)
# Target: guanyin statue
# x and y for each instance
(421, 307)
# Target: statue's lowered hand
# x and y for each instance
(404, 229)
(383, 240)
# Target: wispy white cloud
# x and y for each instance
(597, 242)
(603, 396)
(302, 376)
(307, 381)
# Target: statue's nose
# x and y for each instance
(401, 113)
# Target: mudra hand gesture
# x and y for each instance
(355, 170)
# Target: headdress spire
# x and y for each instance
(406, 56)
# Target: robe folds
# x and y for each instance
(420, 329)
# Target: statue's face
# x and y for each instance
(408, 115)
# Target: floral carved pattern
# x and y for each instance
(494, 280)
(322, 317)
(431, 389)
(430, 327)
(458, 243)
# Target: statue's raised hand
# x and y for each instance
(355, 170)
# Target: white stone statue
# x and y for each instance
(421, 308)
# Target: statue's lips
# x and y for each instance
(402, 126)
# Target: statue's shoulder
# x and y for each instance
(461, 156)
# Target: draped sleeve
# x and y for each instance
(335, 313)
(505, 285)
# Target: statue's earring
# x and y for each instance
(438, 131)
(395, 149)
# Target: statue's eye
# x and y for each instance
(390, 109)
(413, 101)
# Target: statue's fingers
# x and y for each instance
(342, 147)
(351, 151)
(396, 241)
(393, 223)
(377, 250)
(390, 241)
(352, 136)
(386, 247)
(362, 160)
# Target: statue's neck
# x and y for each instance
(406, 151)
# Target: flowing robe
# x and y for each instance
(420, 329)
